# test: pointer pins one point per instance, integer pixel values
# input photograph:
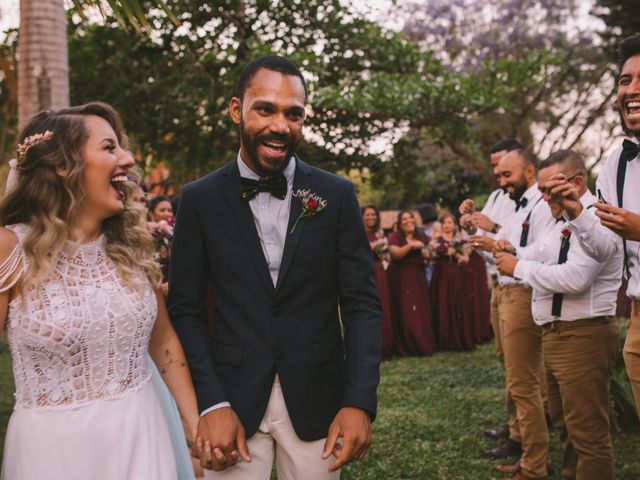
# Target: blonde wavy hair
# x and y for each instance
(49, 203)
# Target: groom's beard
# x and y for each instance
(627, 131)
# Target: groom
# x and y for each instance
(291, 361)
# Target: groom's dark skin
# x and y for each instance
(272, 110)
(621, 221)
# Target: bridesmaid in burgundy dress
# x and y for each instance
(409, 287)
(477, 288)
(451, 307)
(379, 248)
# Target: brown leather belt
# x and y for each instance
(558, 325)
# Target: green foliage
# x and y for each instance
(620, 18)
(173, 88)
(430, 418)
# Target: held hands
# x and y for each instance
(481, 242)
(353, 426)
(565, 194)
(467, 223)
(482, 221)
(503, 245)
(467, 206)
(415, 244)
(621, 221)
(220, 440)
(506, 263)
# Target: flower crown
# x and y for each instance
(30, 141)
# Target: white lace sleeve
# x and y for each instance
(11, 269)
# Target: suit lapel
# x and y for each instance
(244, 218)
(303, 179)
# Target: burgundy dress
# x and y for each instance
(477, 288)
(449, 300)
(410, 296)
(382, 282)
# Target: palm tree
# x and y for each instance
(43, 65)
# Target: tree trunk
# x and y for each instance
(43, 64)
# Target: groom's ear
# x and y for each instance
(235, 110)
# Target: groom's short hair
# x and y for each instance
(629, 47)
(269, 62)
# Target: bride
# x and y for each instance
(81, 309)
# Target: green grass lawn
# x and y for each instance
(431, 415)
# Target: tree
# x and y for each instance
(173, 88)
(553, 83)
(43, 71)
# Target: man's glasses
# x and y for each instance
(546, 191)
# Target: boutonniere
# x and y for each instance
(525, 225)
(566, 233)
(312, 204)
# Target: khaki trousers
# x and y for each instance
(579, 356)
(276, 438)
(522, 345)
(514, 429)
(631, 352)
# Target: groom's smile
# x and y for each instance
(270, 115)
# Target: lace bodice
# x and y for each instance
(83, 334)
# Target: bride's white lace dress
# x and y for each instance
(85, 407)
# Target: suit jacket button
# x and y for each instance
(276, 311)
(279, 356)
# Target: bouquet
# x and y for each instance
(162, 233)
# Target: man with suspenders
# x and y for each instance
(521, 337)
(574, 301)
(614, 224)
(484, 226)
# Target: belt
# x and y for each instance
(509, 286)
(557, 325)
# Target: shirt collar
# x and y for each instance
(246, 172)
(532, 192)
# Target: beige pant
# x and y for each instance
(514, 429)
(579, 357)
(276, 438)
(522, 345)
(631, 352)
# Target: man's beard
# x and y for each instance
(250, 145)
(518, 190)
(627, 131)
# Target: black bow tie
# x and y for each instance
(521, 203)
(276, 186)
(630, 150)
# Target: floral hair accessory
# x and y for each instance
(30, 141)
(312, 204)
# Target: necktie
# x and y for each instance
(556, 302)
(275, 185)
(630, 150)
(521, 203)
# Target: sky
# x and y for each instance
(10, 11)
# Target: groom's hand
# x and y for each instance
(224, 432)
(353, 425)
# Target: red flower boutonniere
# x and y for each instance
(525, 225)
(311, 205)
(566, 233)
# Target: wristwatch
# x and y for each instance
(496, 228)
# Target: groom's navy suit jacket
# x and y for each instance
(318, 328)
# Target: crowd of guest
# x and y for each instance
(432, 284)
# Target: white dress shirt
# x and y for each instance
(600, 242)
(538, 220)
(589, 287)
(498, 208)
(271, 216)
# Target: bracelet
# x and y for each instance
(496, 228)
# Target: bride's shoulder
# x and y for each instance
(8, 242)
